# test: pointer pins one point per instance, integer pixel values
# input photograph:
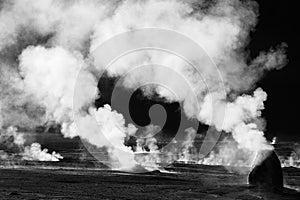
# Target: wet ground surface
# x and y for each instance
(184, 182)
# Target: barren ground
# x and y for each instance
(189, 183)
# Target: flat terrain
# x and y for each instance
(189, 182)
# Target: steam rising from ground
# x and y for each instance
(44, 44)
(292, 160)
(34, 152)
(12, 143)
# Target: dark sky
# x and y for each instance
(278, 22)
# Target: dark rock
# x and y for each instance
(267, 173)
(14, 193)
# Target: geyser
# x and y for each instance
(267, 173)
(38, 87)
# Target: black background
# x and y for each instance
(278, 22)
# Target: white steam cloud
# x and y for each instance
(68, 32)
(11, 140)
(35, 152)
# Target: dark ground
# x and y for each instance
(34, 180)
(190, 182)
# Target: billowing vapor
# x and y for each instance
(12, 143)
(49, 46)
(34, 152)
(292, 160)
(11, 139)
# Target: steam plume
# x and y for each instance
(45, 73)
(12, 142)
(34, 152)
